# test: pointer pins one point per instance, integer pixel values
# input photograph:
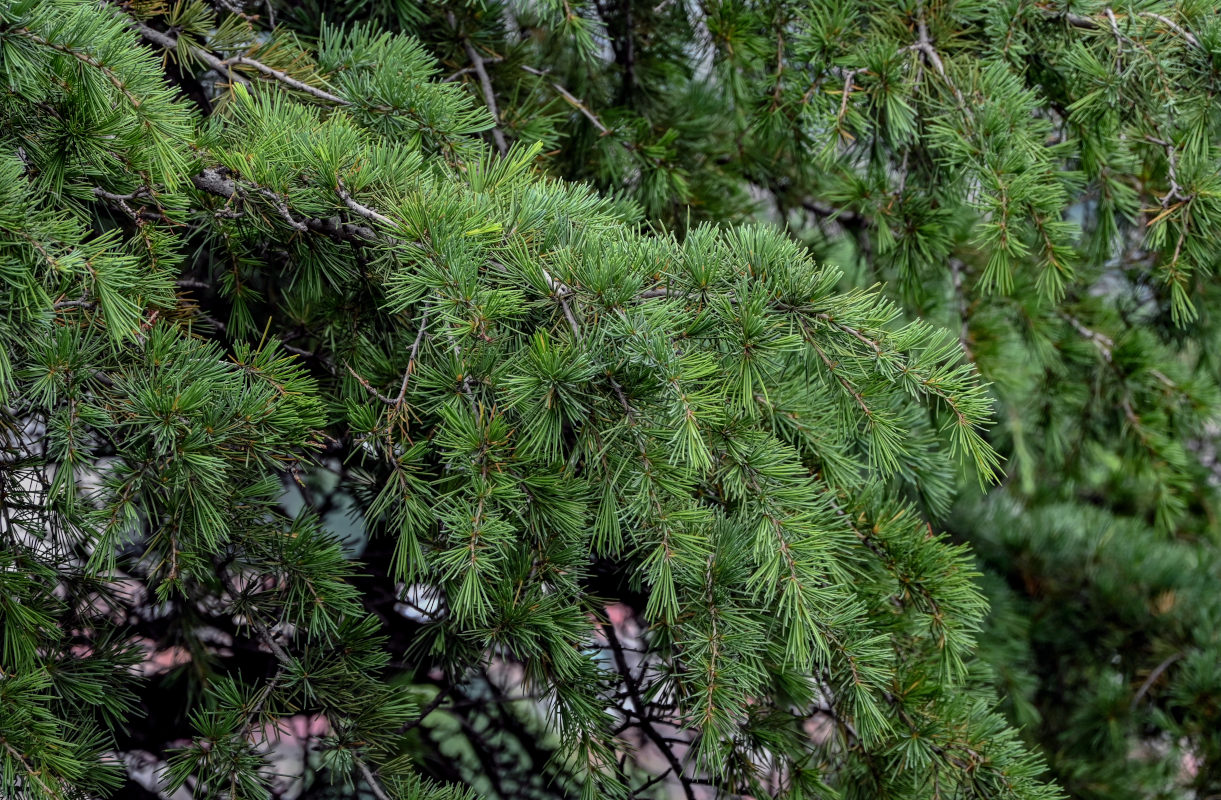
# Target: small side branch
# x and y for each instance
(361, 210)
(375, 785)
(924, 44)
(288, 80)
(415, 351)
(1103, 342)
(576, 103)
(169, 42)
(217, 182)
(390, 401)
(485, 82)
(646, 725)
(1174, 26)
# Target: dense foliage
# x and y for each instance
(322, 381)
(1040, 178)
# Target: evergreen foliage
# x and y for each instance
(256, 277)
(1039, 177)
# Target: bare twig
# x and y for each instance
(288, 80)
(485, 81)
(169, 42)
(1103, 342)
(925, 45)
(1174, 26)
(843, 101)
(1152, 679)
(415, 350)
(216, 182)
(75, 304)
(390, 401)
(281, 206)
(121, 200)
(646, 724)
(627, 407)
(359, 209)
(375, 785)
(576, 103)
(31, 772)
(1175, 192)
(436, 702)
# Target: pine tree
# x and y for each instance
(645, 504)
(1038, 177)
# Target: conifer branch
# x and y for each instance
(215, 182)
(31, 773)
(288, 80)
(925, 45)
(84, 57)
(442, 695)
(170, 44)
(576, 103)
(1103, 342)
(687, 436)
(286, 661)
(360, 209)
(849, 75)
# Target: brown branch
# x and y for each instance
(33, 773)
(849, 75)
(646, 725)
(225, 66)
(1153, 676)
(415, 350)
(627, 407)
(215, 182)
(390, 401)
(485, 81)
(860, 400)
(168, 42)
(853, 332)
(1174, 26)
(375, 785)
